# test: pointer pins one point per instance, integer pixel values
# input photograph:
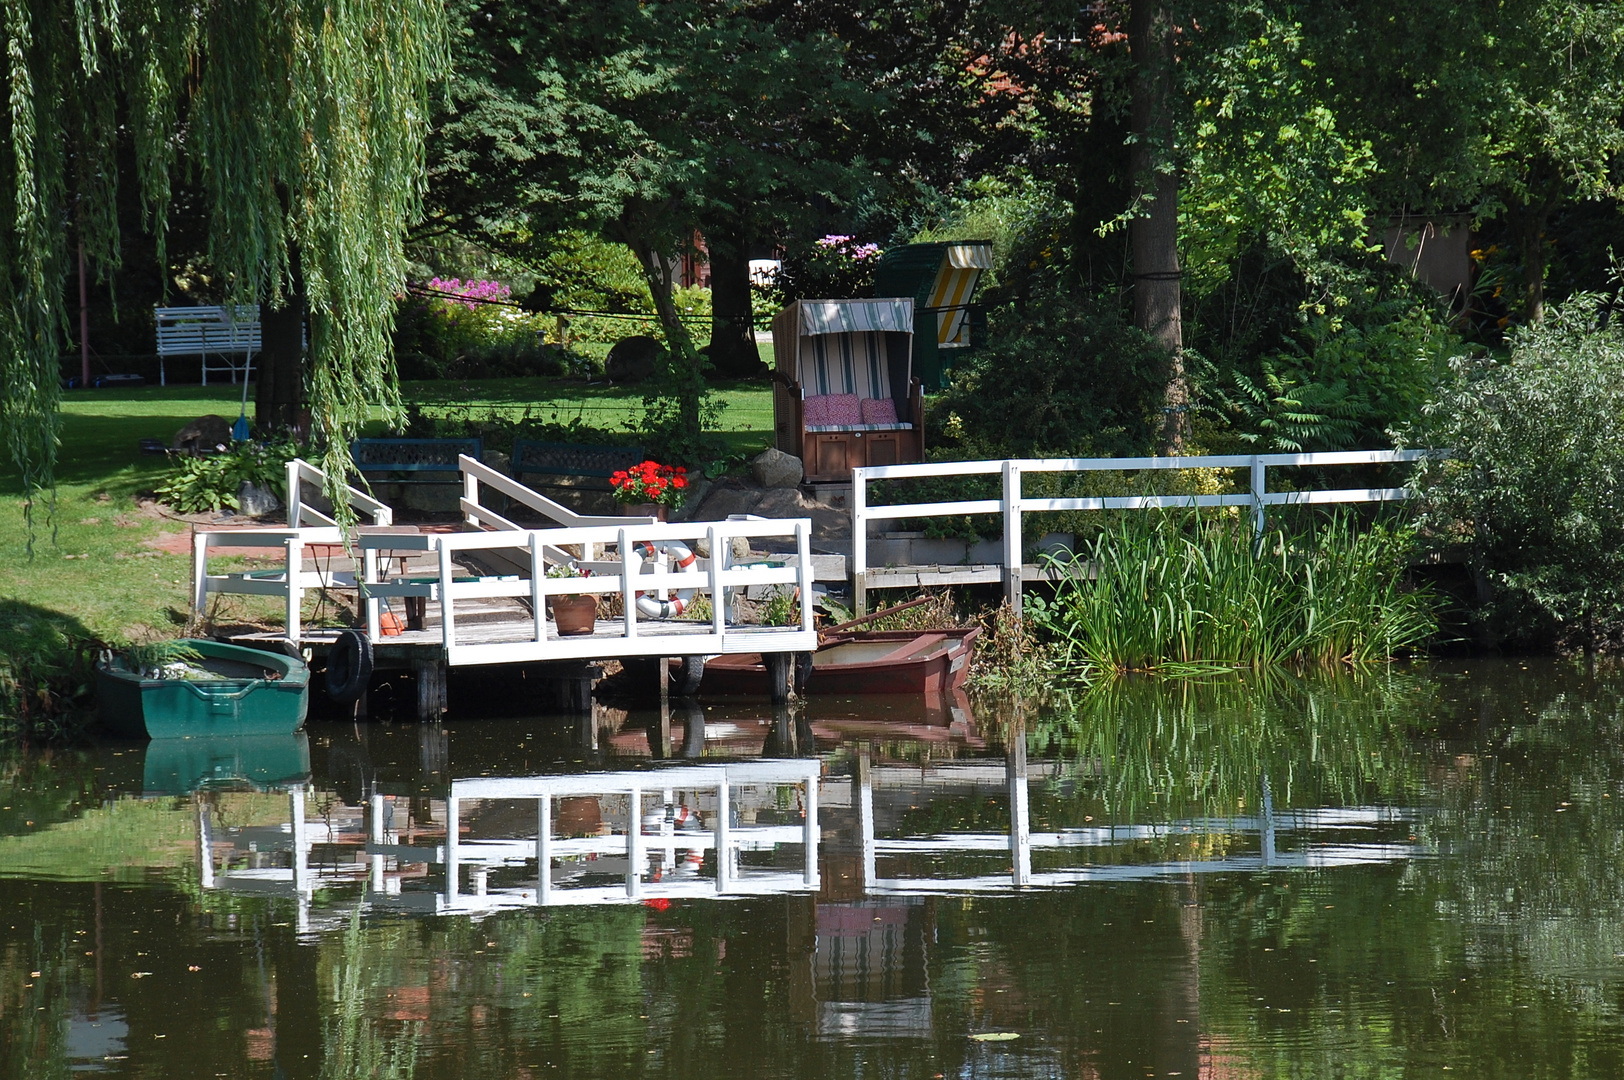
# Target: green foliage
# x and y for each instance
(212, 481)
(1177, 595)
(46, 670)
(1533, 486)
(1264, 156)
(1063, 373)
(303, 123)
(440, 339)
(500, 430)
(1345, 377)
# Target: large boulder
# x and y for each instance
(773, 468)
(632, 359)
(205, 433)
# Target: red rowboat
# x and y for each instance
(930, 662)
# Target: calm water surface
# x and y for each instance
(1411, 873)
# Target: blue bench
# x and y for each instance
(559, 462)
(406, 461)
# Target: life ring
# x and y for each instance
(349, 666)
(683, 559)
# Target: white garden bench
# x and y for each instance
(227, 338)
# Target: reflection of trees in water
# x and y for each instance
(35, 979)
(356, 1043)
(1500, 955)
(1135, 749)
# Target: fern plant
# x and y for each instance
(1278, 413)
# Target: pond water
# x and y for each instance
(1407, 873)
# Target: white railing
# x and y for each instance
(534, 552)
(301, 472)
(289, 583)
(1011, 503)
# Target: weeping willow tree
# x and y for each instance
(302, 121)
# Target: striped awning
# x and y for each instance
(856, 316)
(970, 256)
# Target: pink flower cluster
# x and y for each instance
(473, 288)
(858, 253)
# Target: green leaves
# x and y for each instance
(1534, 491)
(305, 123)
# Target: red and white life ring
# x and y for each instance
(681, 559)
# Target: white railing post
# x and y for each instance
(1012, 535)
(859, 541)
(200, 574)
(448, 630)
(538, 574)
(373, 606)
(628, 599)
(803, 578)
(295, 500)
(470, 491)
(295, 576)
(1259, 487)
(721, 549)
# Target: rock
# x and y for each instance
(431, 498)
(499, 461)
(739, 546)
(205, 433)
(773, 468)
(632, 359)
(256, 501)
(731, 495)
(698, 487)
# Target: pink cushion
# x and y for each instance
(879, 411)
(832, 410)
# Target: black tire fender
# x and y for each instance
(349, 666)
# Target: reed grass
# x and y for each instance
(1181, 593)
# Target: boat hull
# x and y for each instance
(177, 708)
(933, 663)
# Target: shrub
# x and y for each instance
(443, 338)
(1534, 489)
(1063, 374)
(212, 482)
(830, 268)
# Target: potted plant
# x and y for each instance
(573, 613)
(650, 489)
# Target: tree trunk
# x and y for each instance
(1528, 226)
(685, 377)
(733, 337)
(279, 393)
(1157, 295)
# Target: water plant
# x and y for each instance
(1182, 593)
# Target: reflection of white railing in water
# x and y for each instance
(1020, 841)
(1011, 503)
(724, 839)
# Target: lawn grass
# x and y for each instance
(97, 561)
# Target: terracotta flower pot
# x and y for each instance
(575, 614)
(653, 510)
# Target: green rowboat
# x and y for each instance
(220, 690)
